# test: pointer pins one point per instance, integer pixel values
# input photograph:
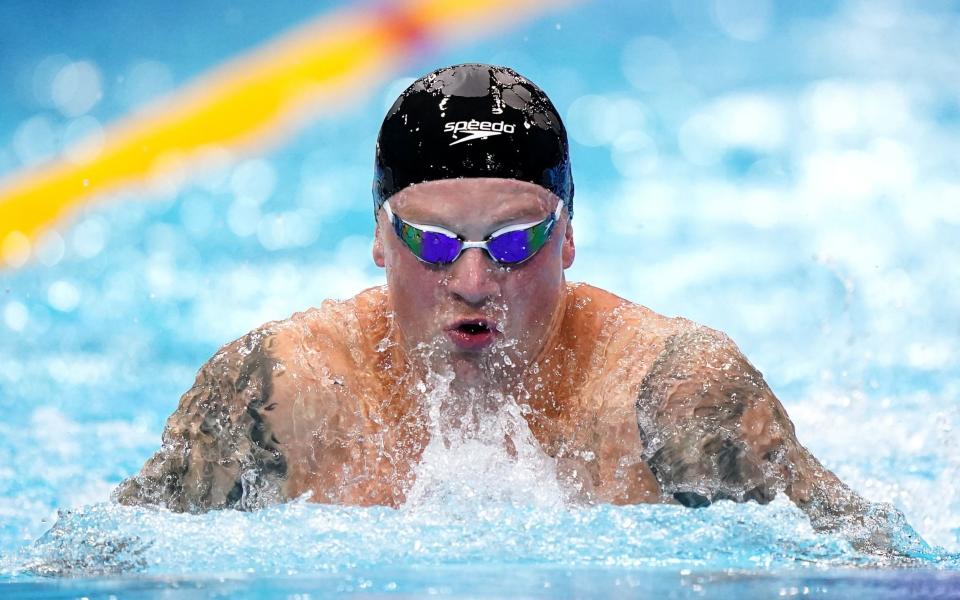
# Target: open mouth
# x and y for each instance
(473, 328)
(472, 334)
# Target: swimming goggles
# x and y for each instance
(508, 246)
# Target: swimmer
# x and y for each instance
(473, 206)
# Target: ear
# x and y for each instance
(377, 251)
(569, 250)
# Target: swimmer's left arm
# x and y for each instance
(713, 429)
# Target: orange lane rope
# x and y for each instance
(249, 102)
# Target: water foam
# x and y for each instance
(481, 451)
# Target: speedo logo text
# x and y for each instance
(475, 129)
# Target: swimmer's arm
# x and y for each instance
(713, 429)
(218, 450)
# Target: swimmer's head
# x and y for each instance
(468, 121)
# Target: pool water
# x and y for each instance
(491, 582)
(787, 174)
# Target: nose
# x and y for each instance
(472, 277)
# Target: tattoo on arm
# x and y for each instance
(218, 449)
(693, 410)
(712, 429)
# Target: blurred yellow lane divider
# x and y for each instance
(248, 103)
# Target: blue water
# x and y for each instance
(788, 173)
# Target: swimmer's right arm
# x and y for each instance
(218, 450)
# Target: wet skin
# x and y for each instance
(634, 406)
(522, 303)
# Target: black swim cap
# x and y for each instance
(472, 121)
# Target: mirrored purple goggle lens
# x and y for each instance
(439, 248)
(511, 247)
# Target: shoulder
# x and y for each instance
(313, 366)
(629, 337)
(592, 306)
(617, 343)
(317, 338)
(696, 364)
(668, 345)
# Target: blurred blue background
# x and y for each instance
(788, 172)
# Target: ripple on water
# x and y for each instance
(303, 538)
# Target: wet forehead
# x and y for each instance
(476, 201)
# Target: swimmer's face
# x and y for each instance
(474, 309)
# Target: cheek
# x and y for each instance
(412, 288)
(533, 292)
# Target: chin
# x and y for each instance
(467, 371)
